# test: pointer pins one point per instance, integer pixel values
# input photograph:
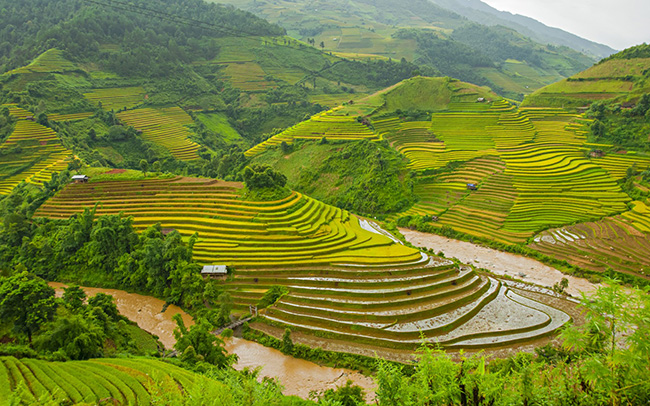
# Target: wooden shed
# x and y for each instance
(80, 178)
(214, 271)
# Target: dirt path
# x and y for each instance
(498, 262)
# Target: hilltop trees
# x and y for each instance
(263, 177)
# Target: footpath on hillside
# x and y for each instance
(498, 262)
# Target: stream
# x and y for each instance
(299, 377)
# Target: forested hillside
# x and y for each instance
(505, 59)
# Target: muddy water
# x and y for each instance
(144, 310)
(499, 262)
(299, 377)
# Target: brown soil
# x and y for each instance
(498, 262)
(115, 171)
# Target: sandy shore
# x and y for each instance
(498, 262)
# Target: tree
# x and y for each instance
(348, 395)
(287, 343)
(285, 148)
(78, 338)
(203, 342)
(263, 176)
(322, 45)
(28, 302)
(156, 167)
(144, 166)
(74, 297)
(75, 165)
(106, 303)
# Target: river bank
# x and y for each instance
(498, 262)
(299, 377)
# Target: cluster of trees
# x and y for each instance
(375, 178)
(625, 127)
(106, 251)
(74, 327)
(150, 46)
(259, 177)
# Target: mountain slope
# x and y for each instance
(621, 77)
(482, 13)
(421, 31)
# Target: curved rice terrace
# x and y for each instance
(50, 61)
(346, 277)
(166, 127)
(615, 242)
(117, 98)
(30, 154)
(323, 125)
(530, 166)
(124, 381)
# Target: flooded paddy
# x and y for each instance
(299, 377)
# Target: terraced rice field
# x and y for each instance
(541, 178)
(122, 381)
(617, 164)
(117, 98)
(327, 124)
(347, 278)
(50, 61)
(248, 76)
(35, 152)
(614, 242)
(166, 127)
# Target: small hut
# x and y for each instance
(80, 178)
(472, 186)
(215, 271)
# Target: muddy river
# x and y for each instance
(498, 262)
(299, 377)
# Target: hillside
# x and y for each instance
(482, 13)
(421, 31)
(530, 166)
(620, 78)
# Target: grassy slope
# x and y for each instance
(364, 30)
(621, 77)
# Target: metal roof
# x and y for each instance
(215, 269)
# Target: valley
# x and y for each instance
(392, 191)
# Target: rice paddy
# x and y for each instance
(346, 277)
(117, 98)
(328, 125)
(30, 154)
(50, 61)
(166, 127)
(123, 381)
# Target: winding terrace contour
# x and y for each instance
(346, 278)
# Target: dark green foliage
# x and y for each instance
(639, 51)
(372, 179)
(74, 297)
(106, 303)
(287, 343)
(627, 128)
(75, 336)
(375, 73)
(37, 25)
(271, 296)
(347, 395)
(226, 165)
(263, 177)
(28, 302)
(451, 58)
(204, 345)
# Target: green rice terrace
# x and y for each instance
(533, 168)
(125, 381)
(30, 154)
(346, 277)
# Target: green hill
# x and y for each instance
(428, 34)
(622, 77)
